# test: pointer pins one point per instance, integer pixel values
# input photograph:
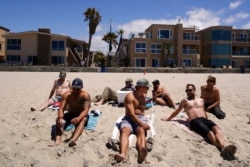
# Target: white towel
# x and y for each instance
(132, 137)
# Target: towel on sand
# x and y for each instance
(93, 118)
(181, 121)
(132, 138)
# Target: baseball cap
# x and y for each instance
(143, 82)
(62, 74)
(156, 81)
(77, 83)
(129, 80)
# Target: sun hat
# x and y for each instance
(143, 82)
(77, 83)
(62, 74)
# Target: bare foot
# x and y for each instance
(142, 155)
(119, 158)
(54, 144)
(72, 143)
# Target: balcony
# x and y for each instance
(190, 51)
(241, 39)
(191, 37)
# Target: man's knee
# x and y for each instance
(219, 113)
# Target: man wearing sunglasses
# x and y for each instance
(211, 96)
(199, 122)
(134, 121)
(78, 104)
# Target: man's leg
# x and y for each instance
(141, 144)
(78, 131)
(216, 137)
(218, 112)
(124, 143)
(43, 106)
(59, 132)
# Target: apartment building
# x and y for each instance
(215, 46)
(3, 31)
(165, 45)
(225, 46)
(43, 48)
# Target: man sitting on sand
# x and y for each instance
(194, 108)
(160, 95)
(110, 95)
(60, 86)
(134, 121)
(78, 102)
(211, 96)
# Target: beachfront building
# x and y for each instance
(43, 48)
(3, 31)
(164, 45)
(223, 46)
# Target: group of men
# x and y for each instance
(78, 103)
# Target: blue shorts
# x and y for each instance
(127, 122)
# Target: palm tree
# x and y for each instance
(94, 19)
(166, 47)
(118, 53)
(110, 38)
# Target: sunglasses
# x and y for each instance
(189, 90)
(76, 89)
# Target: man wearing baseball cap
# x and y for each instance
(134, 121)
(78, 101)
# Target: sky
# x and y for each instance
(132, 16)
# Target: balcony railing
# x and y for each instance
(241, 53)
(241, 39)
(191, 37)
(190, 51)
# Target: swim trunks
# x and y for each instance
(127, 122)
(202, 126)
(57, 98)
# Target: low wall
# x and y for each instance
(123, 69)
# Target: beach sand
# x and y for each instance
(25, 135)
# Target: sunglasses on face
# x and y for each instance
(76, 89)
(189, 90)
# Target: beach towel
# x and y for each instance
(92, 120)
(54, 107)
(132, 138)
(181, 121)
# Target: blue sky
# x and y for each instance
(66, 17)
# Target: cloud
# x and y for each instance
(246, 26)
(235, 4)
(237, 17)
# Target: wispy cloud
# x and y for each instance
(237, 17)
(235, 4)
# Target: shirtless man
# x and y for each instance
(211, 96)
(134, 121)
(60, 86)
(78, 101)
(194, 108)
(160, 95)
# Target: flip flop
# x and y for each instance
(114, 144)
(150, 143)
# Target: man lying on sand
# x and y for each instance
(78, 101)
(134, 121)
(194, 107)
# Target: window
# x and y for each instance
(140, 62)
(13, 58)
(243, 36)
(58, 45)
(247, 63)
(57, 60)
(221, 35)
(155, 62)
(186, 62)
(0, 46)
(140, 47)
(164, 34)
(13, 44)
(32, 60)
(170, 61)
(156, 48)
(186, 36)
(221, 49)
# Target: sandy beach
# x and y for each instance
(25, 135)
